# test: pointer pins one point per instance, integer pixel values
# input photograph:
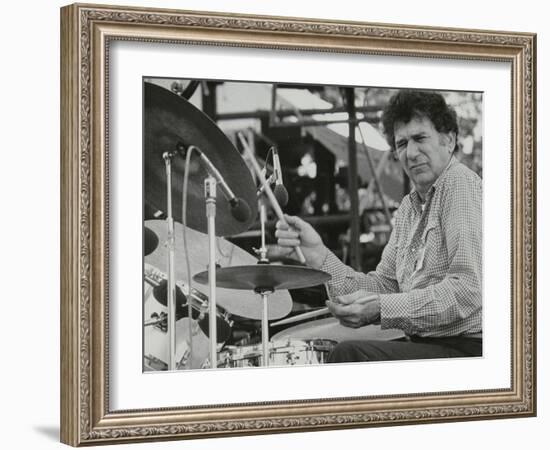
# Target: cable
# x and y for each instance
(185, 248)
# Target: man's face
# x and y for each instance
(423, 151)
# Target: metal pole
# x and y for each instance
(171, 288)
(375, 177)
(210, 194)
(265, 330)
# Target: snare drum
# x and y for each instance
(290, 352)
(294, 352)
(240, 356)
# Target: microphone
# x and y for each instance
(239, 208)
(280, 192)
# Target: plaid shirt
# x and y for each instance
(430, 275)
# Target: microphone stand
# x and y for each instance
(210, 197)
(171, 287)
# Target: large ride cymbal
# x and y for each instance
(330, 328)
(170, 122)
(265, 277)
(243, 303)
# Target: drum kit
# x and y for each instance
(187, 159)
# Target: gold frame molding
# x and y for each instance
(86, 31)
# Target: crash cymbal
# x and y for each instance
(171, 122)
(243, 303)
(265, 276)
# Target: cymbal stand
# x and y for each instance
(171, 322)
(210, 197)
(264, 292)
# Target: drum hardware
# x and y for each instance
(262, 291)
(243, 303)
(263, 278)
(154, 363)
(172, 123)
(210, 197)
(156, 320)
(155, 337)
(155, 352)
(269, 193)
(262, 251)
(199, 306)
(171, 300)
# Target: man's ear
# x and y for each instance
(449, 140)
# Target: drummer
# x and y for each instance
(428, 282)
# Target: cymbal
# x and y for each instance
(330, 328)
(169, 121)
(243, 303)
(265, 276)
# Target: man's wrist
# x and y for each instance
(320, 258)
(377, 309)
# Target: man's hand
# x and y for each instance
(357, 309)
(300, 233)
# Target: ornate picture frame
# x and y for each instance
(87, 31)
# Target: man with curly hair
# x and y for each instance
(429, 280)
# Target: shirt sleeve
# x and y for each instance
(458, 295)
(345, 280)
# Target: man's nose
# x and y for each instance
(412, 149)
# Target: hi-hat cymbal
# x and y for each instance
(243, 303)
(170, 122)
(265, 277)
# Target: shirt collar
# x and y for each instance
(415, 196)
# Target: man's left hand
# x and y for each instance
(357, 309)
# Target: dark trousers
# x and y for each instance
(413, 348)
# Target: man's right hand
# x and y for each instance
(302, 234)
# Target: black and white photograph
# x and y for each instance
(301, 224)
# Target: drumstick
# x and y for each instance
(322, 311)
(308, 315)
(269, 193)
